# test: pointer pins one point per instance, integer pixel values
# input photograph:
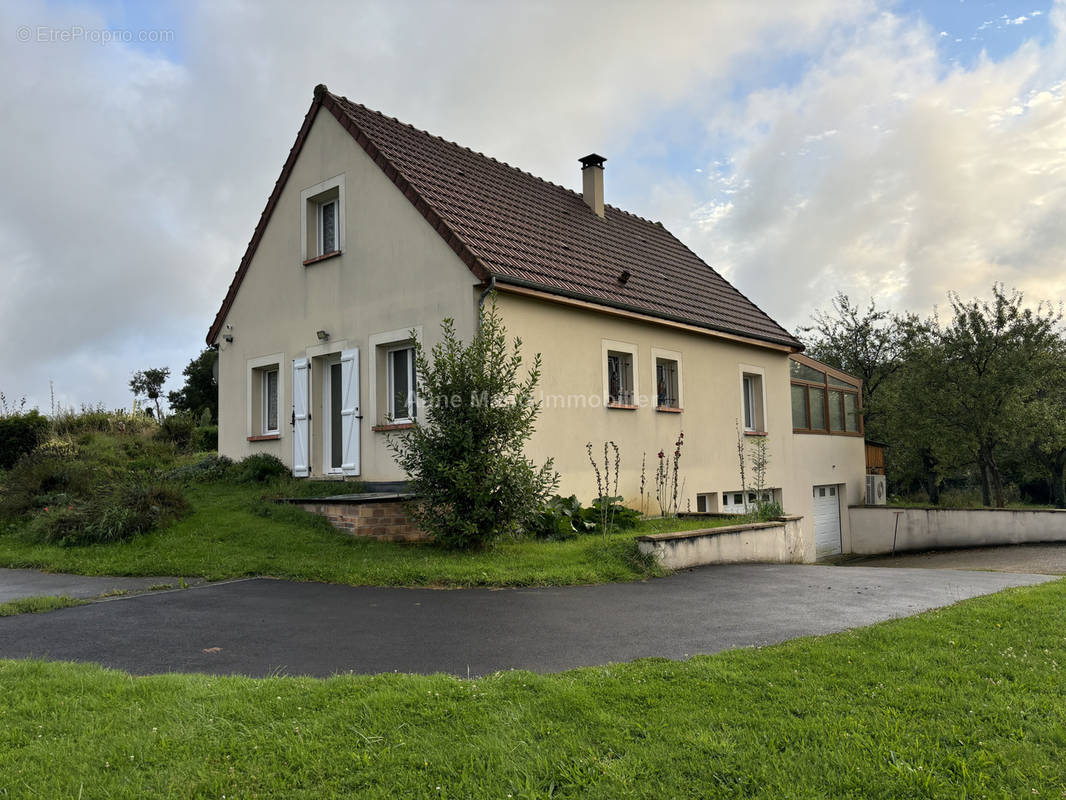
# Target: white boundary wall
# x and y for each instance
(872, 527)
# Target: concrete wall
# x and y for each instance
(942, 528)
(395, 273)
(778, 542)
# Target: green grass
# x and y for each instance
(233, 532)
(38, 604)
(964, 702)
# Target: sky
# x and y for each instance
(890, 150)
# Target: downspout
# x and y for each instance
(486, 293)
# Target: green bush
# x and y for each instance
(561, 518)
(113, 515)
(20, 434)
(205, 438)
(211, 468)
(33, 481)
(68, 422)
(258, 468)
(177, 429)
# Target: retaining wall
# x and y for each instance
(381, 517)
(872, 527)
(778, 542)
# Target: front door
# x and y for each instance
(332, 404)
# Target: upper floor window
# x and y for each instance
(824, 400)
(322, 219)
(666, 383)
(619, 378)
(327, 227)
(751, 388)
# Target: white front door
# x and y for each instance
(826, 520)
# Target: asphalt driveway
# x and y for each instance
(263, 627)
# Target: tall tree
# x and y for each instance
(149, 382)
(978, 368)
(200, 391)
(1040, 422)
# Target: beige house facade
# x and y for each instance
(376, 232)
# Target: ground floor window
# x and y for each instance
(270, 400)
(741, 502)
(402, 405)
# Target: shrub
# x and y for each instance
(20, 433)
(177, 429)
(120, 513)
(259, 468)
(205, 437)
(561, 518)
(465, 454)
(620, 517)
(90, 419)
(36, 477)
(210, 468)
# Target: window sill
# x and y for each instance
(755, 433)
(395, 426)
(322, 257)
(264, 437)
(669, 409)
(622, 406)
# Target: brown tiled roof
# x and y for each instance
(525, 231)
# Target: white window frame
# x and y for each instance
(311, 197)
(608, 347)
(754, 392)
(265, 391)
(727, 506)
(254, 388)
(412, 399)
(321, 211)
(667, 355)
(379, 345)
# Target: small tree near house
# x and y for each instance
(464, 456)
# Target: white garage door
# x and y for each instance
(826, 521)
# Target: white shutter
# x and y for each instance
(301, 454)
(350, 411)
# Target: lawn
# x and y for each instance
(968, 701)
(233, 531)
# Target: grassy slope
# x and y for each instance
(968, 701)
(232, 532)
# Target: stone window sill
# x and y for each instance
(265, 437)
(323, 257)
(669, 409)
(398, 426)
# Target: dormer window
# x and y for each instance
(322, 220)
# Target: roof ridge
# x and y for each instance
(493, 159)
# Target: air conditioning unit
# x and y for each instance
(875, 490)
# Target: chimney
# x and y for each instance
(592, 182)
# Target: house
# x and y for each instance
(376, 231)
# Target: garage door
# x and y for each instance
(826, 521)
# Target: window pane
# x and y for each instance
(272, 400)
(799, 406)
(329, 226)
(837, 382)
(400, 383)
(749, 403)
(836, 410)
(620, 378)
(805, 373)
(851, 412)
(817, 408)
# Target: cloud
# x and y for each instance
(135, 174)
(935, 180)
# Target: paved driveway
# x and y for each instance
(1046, 559)
(261, 627)
(19, 583)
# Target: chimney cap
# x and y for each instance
(592, 160)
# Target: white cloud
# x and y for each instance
(935, 181)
